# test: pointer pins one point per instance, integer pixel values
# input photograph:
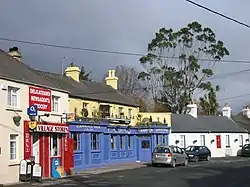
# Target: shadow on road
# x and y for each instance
(204, 175)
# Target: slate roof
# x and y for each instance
(88, 90)
(182, 123)
(243, 121)
(12, 69)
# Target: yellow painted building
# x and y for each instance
(101, 101)
(158, 117)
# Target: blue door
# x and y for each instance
(145, 150)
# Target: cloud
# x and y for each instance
(125, 26)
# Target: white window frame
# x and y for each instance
(58, 138)
(55, 101)
(202, 140)
(182, 141)
(11, 92)
(15, 141)
(227, 141)
(241, 140)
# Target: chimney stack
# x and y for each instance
(73, 72)
(14, 52)
(111, 79)
(246, 112)
(226, 111)
(193, 109)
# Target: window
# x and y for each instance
(55, 144)
(13, 96)
(227, 141)
(13, 147)
(161, 150)
(157, 140)
(122, 142)
(55, 103)
(183, 141)
(95, 141)
(129, 113)
(76, 138)
(113, 141)
(130, 142)
(241, 140)
(164, 137)
(145, 144)
(202, 139)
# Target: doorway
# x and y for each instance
(35, 147)
(145, 149)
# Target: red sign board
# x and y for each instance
(40, 97)
(52, 128)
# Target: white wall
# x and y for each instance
(9, 171)
(215, 152)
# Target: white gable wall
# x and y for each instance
(215, 152)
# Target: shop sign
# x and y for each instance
(162, 130)
(41, 98)
(145, 130)
(52, 128)
(27, 143)
(119, 131)
(88, 127)
(37, 171)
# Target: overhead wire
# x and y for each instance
(110, 52)
(218, 13)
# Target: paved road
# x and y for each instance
(215, 173)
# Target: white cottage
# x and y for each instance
(220, 134)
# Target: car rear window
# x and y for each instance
(161, 150)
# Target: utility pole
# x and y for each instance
(62, 63)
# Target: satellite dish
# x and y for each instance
(188, 109)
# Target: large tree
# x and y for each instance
(131, 86)
(178, 63)
(208, 102)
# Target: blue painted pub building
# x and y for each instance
(97, 144)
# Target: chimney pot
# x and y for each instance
(111, 79)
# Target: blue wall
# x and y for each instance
(99, 144)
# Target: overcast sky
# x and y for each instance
(125, 26)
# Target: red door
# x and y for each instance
(218, 141)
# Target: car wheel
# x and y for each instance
(186, 162)
(173, 164)
(196, 159)
(208, 158)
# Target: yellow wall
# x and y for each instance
(94, 105)
(157, 116)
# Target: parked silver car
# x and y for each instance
(169, 155)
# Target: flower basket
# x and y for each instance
(17, 119)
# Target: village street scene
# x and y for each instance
(124, 93)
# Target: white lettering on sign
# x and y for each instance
(39, 92)
(145, 130)
(161, 130)
(27, 143)
(88, 126)
(52, 128)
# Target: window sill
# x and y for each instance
(78, 152)
(95, 151)
(14, 163)
(13, 109)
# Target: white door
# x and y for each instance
(35, 147)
